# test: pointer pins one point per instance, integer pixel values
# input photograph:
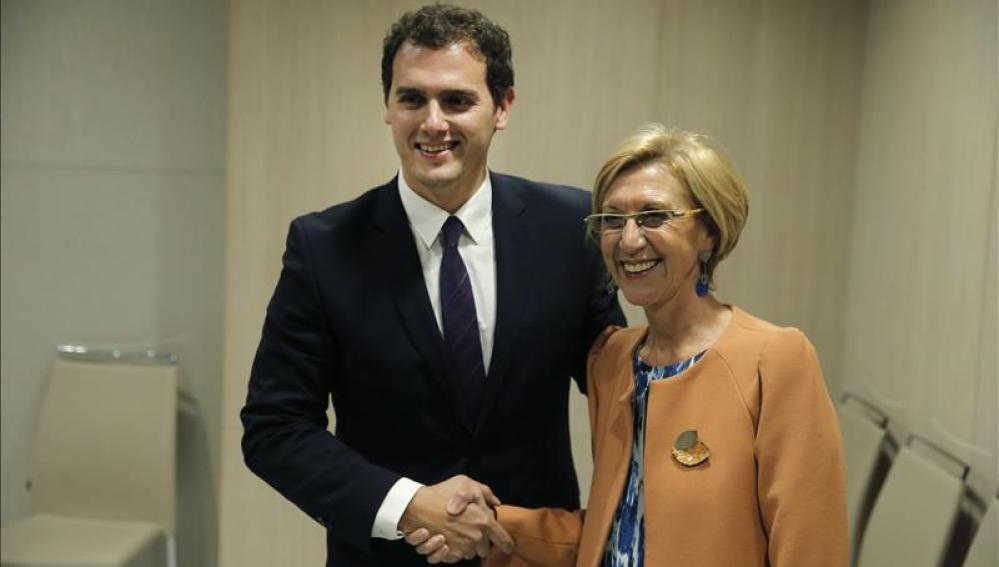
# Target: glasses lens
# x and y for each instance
(653, 219)
(613, 222)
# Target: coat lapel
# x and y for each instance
(614, 439)
(512, 250)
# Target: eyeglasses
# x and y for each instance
(604, 223)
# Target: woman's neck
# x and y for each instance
(679, 330)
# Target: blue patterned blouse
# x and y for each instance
(626, 544)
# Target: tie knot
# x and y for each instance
(452, 231)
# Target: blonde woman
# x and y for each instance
(714, 442)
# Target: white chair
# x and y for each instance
(103, 474)
(862, 439)
(984, 551)
(912, 518)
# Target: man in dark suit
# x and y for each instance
(443, 313)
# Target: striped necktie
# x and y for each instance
(461, 326)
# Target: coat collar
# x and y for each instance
(633, 337)
(427, 218)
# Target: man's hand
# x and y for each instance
(435, 546)
(458, 536)
(458, 502)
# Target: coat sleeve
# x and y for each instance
(285, 437)
(544, 537)
(549, 537)
(801, 474)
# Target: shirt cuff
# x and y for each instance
(386, 524)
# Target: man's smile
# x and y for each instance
(435, 148)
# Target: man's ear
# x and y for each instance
(503, 109)
(385, 99)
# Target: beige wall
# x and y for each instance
(866, 130)
(776, 81)
(113, 156)
(921, 309)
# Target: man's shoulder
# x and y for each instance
(350, 214)
(542, 193)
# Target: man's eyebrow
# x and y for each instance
(467, 93)
(407, 90)
(461, 92)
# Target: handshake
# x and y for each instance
(454, 520)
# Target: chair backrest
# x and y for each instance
(106, 445)
(912, 518)
(862, 439)
(984, 551)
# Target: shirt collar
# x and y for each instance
(427, 218)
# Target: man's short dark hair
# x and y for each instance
(441, 25)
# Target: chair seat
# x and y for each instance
(53, 541)
(913, 515)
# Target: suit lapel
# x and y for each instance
(512, 247)
(392, 238)
(401, 270)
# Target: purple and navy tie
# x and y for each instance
(461, 326)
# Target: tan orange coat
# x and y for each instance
(772, 491)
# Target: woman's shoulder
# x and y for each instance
(768, 335)
(612, 350)
(777, 349)
(614, 340)
(610, 362)
(753, 346)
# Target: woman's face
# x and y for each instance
(653, 266)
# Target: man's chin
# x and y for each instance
(437, 178)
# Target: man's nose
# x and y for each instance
(435, 121)
(632, 237)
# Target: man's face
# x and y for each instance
(443, 119)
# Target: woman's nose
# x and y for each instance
(632, 236)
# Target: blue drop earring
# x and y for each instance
(702, 285)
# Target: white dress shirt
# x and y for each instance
(477, 251)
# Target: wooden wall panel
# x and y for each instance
(921, 294)
(777, 83)
(789, 87)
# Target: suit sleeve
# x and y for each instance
(801, 480)
(285, 438)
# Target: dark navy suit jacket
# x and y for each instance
(350, 321)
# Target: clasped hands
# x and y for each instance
(454, 520)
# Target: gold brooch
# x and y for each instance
(688, 451)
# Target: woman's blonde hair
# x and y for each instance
(700, 166)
